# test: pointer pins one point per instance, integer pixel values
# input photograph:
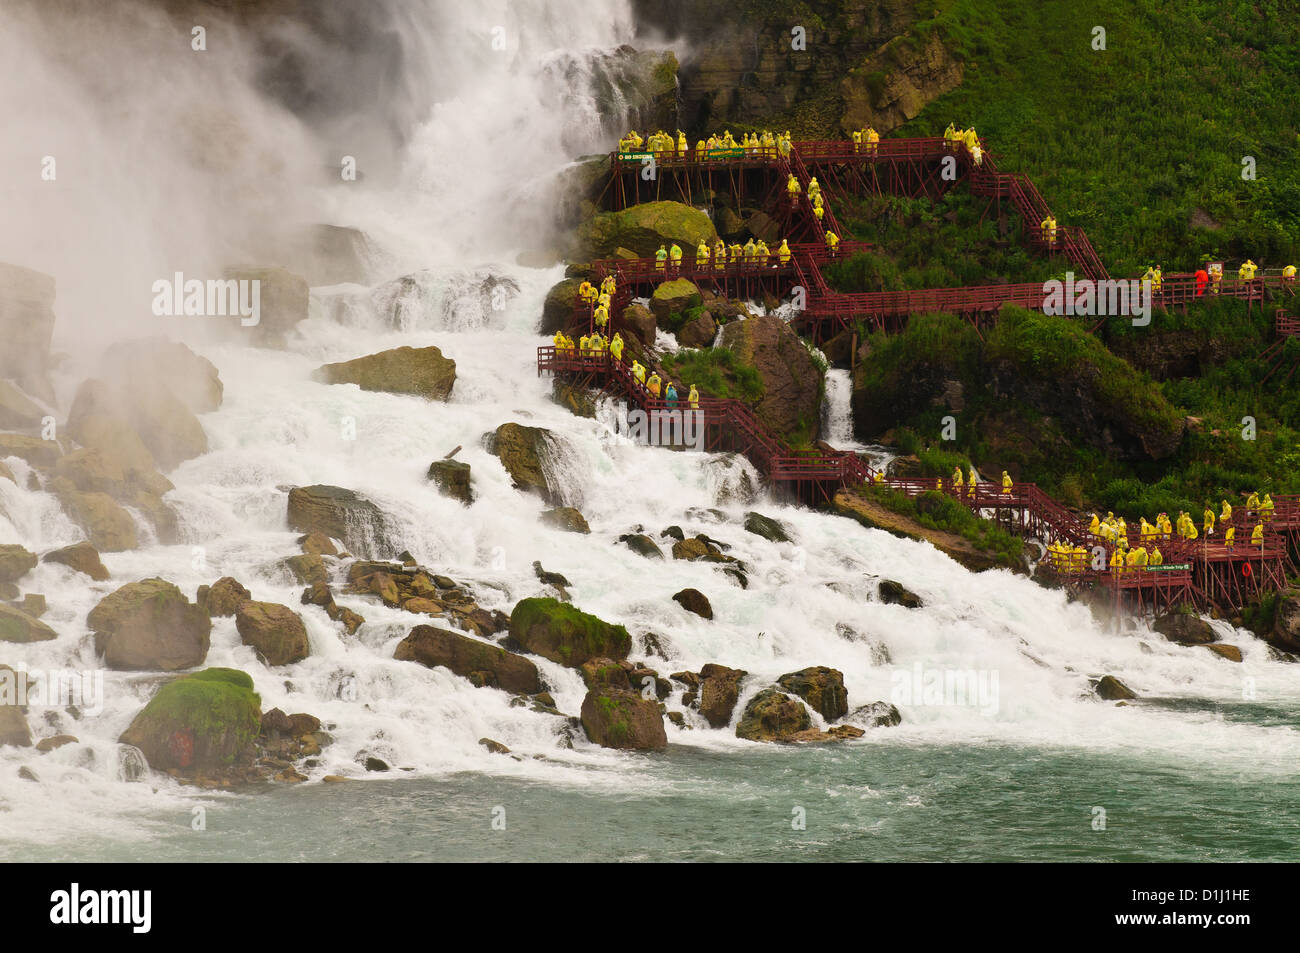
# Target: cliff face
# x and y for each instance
(858, 65)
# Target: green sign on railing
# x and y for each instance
(635, 156)
(1171, 566)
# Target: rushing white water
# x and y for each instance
(474, 185)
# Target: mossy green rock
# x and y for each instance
(672, 299)
(773, 716)
(557, 309)
(422, 371)
(200, 723)
(618, 718)
(433, 647)
(15, 561)
(150, 625)
(561, 633)
(643, 228)
(821, 687)
(18, 626)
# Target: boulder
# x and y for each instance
(564, 634)
(1110, 688)
(318, 544)
(307, 568)
(461, 654)
(618, 718)
(17, 410)
(26, 328)
(92, 470)
(641, 322)
(893, 593)
(1285, 633)
(642, 545)
(150, 625)
(643, 228)
(275, 631)
(558, 308)
(193, 379)
(202, 723)
(773, 716)
(1230, 652)
(55, 742)
(834, 733)
(33, 450)
(672, 299)
(223, 597)
(523, 452)
(423, 372)
(339, 514)
(719, 689)
(284, 299)
(1185, 629)
(693, 548)
(605, 672)
(549, 578)
(692, 600)
(83, 557)
(579, 401)
(821, 687)
(137, 420)
(15, 562)
(13, 719)
(17, 626)
(451, 477)
(110, 528)
(877, 715)
(566, 518)
(792, 380)
(770, 529)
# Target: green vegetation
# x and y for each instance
(218, 705)
(565, 634)
(922, 244)
(1142, 142)
(716, 372)
(939, 511)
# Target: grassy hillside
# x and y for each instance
(1140, 143)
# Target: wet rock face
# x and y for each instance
(791, 401)
(340, 514)
(150, 625)
(199, 726)
(423, 372)
(739, 65)
(452, 479)
(821, 687)
(618, 718)
(433, 647)
(564, 634)
(772, 715)
(26, 327)
(719, 690)
(525, 453)
(275, 631)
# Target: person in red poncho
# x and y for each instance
(1202, 279)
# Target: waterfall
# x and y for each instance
(484, 133)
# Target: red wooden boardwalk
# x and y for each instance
(1204, 572)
